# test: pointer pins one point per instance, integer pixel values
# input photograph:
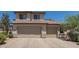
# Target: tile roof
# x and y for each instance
(35, 21)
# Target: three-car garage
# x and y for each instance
(36, 30)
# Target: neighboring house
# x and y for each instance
(34, 23)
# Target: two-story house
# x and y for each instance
(34, 23)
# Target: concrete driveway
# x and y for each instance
(38, 43)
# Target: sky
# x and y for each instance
(58, 16)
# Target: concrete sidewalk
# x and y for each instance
(38, 43)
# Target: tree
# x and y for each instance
(5, 22)
(51, 20)
(72, 22)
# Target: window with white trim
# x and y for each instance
(22, 16)
(36, 16)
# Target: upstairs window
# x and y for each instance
(22, 16)
(36, 16)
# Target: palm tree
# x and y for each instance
(5, 21)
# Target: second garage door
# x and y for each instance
(51, 30)
(29, 30)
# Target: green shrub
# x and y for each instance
(4, 33)
(2, 38)
(10, 35)
(73, 35)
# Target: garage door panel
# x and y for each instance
(29, 30)
(51, 30)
